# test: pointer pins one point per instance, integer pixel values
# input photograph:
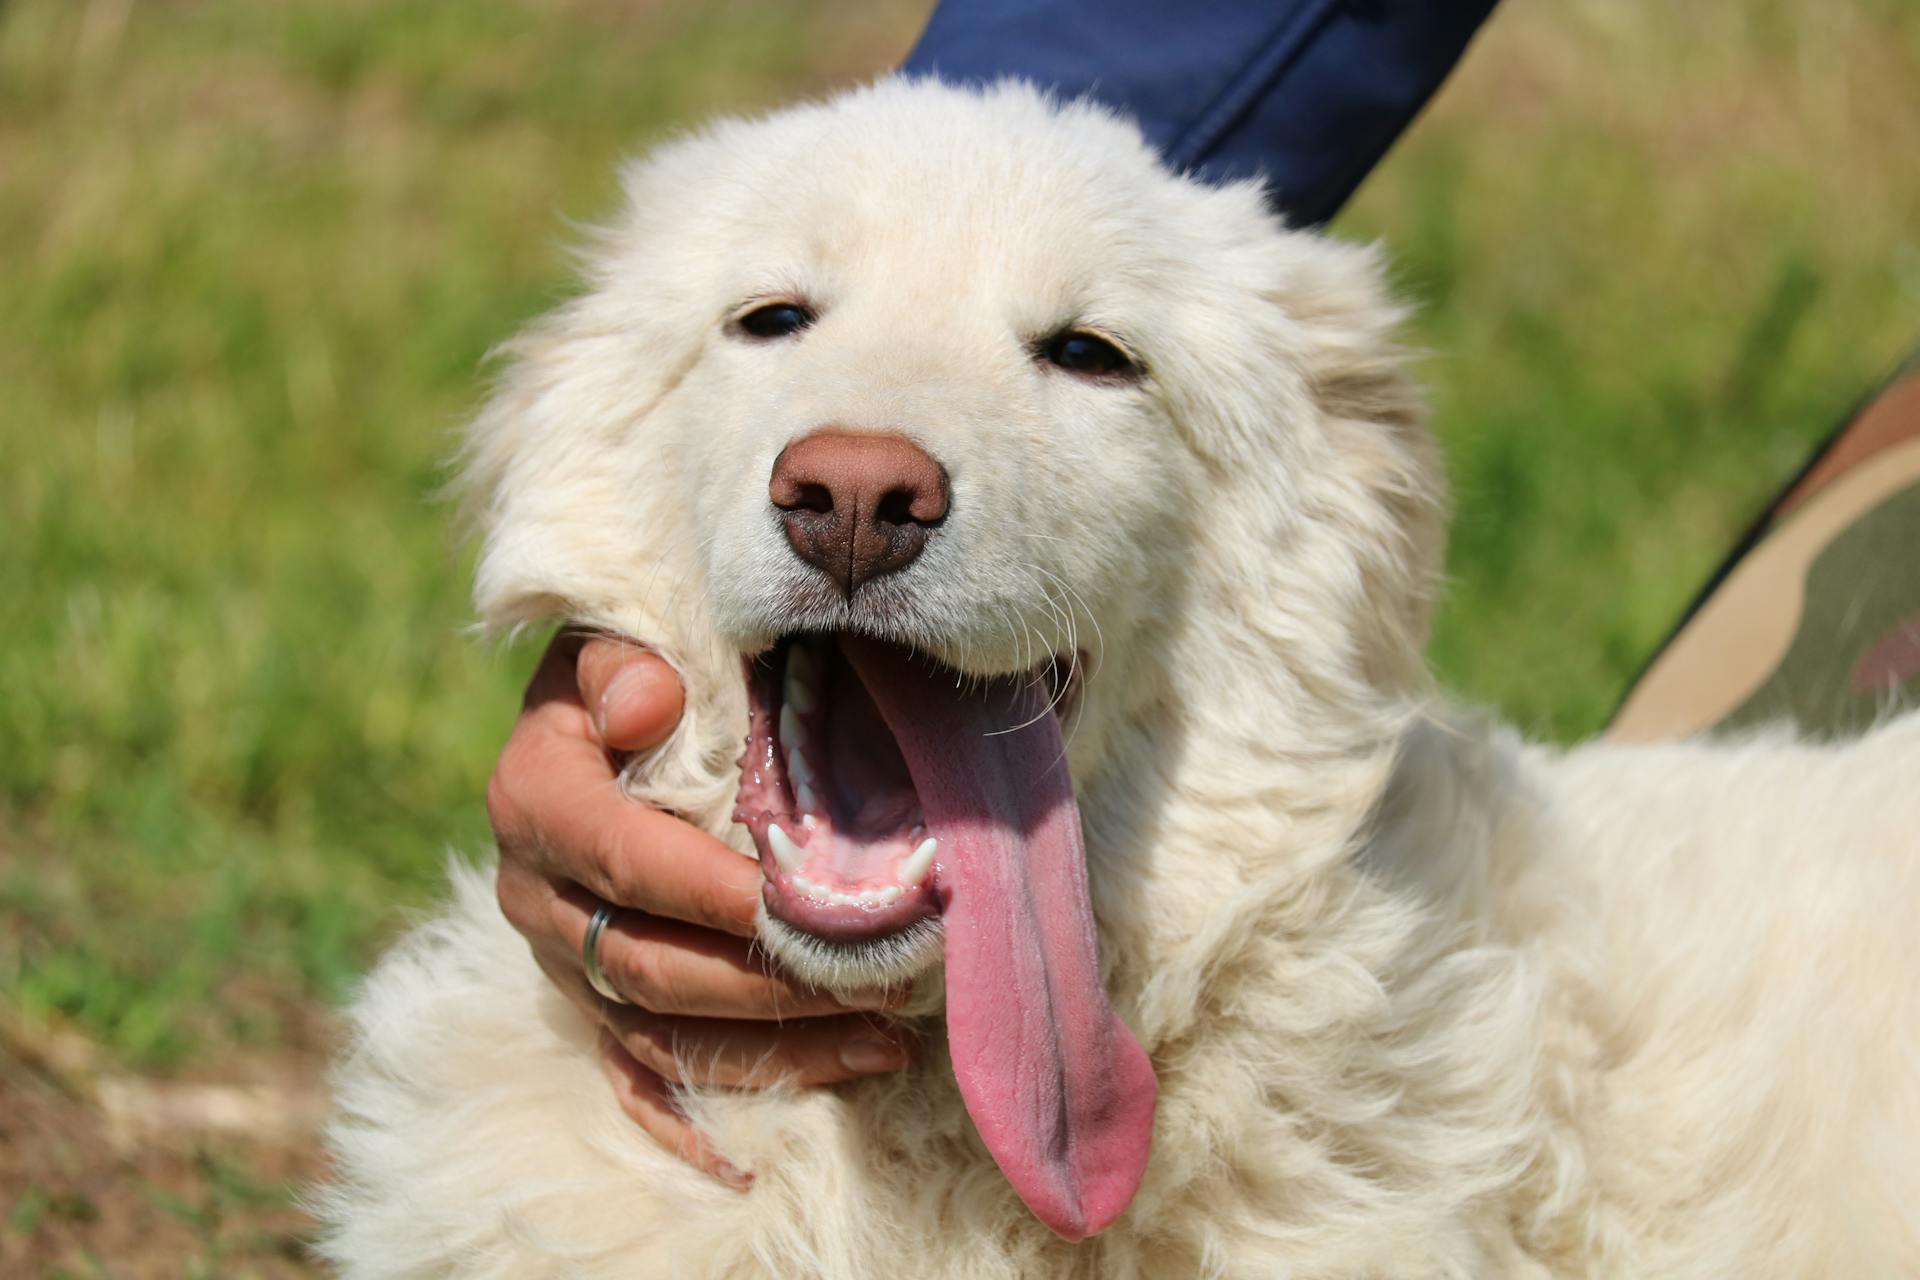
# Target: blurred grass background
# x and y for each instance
(251, 255)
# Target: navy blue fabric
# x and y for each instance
(1308, 94)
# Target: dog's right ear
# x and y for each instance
(559, 471)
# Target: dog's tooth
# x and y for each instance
(805, 885)
(802, 664)
(785, 851)
(797, 686)
(801, 775)
(799, 696)
(889, 894)
(790, 731)
(913, 869)
(842, 899)
(808, 821)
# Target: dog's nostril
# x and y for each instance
(810, 497)
(896, 507)
(855, 505)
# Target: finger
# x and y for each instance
(556, 804)
(556, 678)
(753, 1055)
(667, 967)
(623, 696)
(635, 698)
(555, 800)
(645, 1097)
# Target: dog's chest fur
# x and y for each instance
(1360, 1075)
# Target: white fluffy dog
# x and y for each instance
(1013, 471)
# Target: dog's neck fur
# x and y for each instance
(1350, 877)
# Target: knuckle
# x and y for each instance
(644, 978)
(499, 801)
(705, 901)
(510, 891)
(600, 659)
(504, 803)
(618, 871)
(551, 916)
(653, 1052)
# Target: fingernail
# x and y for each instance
(869, 1054)
(617, 688)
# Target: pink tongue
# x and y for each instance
(1058, 1087)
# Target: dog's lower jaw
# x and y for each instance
(907, 962)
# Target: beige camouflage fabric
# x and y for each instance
(1817, 619)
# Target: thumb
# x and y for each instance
(633, 696)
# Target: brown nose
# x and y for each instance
(857, 506)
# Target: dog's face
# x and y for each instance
(935, 413)
(969, 315)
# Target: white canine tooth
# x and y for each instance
(789, 728)
(785, 851)
(913, 869)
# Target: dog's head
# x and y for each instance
(947, 416)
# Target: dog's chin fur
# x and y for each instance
(907, 961)
(1422, 1000)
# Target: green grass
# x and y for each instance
(251, 256)
(1661, 250)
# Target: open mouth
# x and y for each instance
(827, 793)
(897, 804)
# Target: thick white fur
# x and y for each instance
(1423, 1000)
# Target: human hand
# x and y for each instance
(681, 952)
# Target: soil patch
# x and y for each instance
(109, 1174)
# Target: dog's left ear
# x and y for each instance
(558, 475)
(1318, 413)
(1377, 476)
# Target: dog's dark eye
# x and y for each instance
(775, 320)
(1077, 351)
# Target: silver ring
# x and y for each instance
(590, 954)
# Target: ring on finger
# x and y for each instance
(590, 954)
